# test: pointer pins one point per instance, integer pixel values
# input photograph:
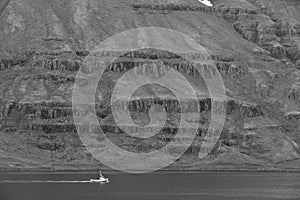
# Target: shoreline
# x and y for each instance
(168, 171)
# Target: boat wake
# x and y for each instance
(101, 180)
(41, 181)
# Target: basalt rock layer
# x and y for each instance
(253, 45)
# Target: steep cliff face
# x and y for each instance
(254, 45)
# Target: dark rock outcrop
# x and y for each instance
(9, 63)
(58, 64)
(248, 30)
(173, 7)
(50, 144)
(51, 128)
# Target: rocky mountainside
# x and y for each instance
(255, 45)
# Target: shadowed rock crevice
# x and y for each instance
(3, 5)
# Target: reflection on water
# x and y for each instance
(152, 186)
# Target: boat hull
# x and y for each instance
(99, 181)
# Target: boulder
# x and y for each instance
(294, 92)
(292, 116)
(265, 91)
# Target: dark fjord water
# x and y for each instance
(186, 186)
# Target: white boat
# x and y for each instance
(101, 179)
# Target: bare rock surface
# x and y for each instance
(255, 45)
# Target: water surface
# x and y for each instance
(183, 186)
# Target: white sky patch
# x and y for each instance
(206, 2)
